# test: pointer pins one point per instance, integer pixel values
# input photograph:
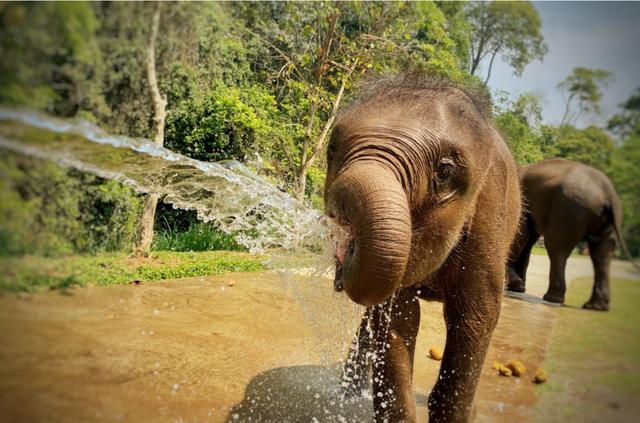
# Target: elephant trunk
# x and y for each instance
(370, 199)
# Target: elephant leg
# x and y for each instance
(520, 252)
(601, 252)
(355, 373)
(395, 328)
(557, 284)
(471, 310)
(518, 269)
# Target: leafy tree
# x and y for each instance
(520, 137)
(229, 123)
(527, 107)
(341, 42)
(625, 174)
(519, 123)
(457, 29)
(582, 92)
(52, 61)
(591, 146)
(48, 210)
(627, 123)
(625, 171)
(510, 30)
(159, 102)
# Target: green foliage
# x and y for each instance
(226, 124)
(310, 54)
(519, 137)
(199, 237)
(517, 122)
(591, 146)
(31, 273)
(48, 210)
(625, 171)
(625, 174)
(627, 123)
(54, 60)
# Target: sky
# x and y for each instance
(600, 35)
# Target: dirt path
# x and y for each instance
(267, 348)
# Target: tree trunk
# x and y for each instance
(321, 140)
(493, 56)
(159, 109)
(567, 109)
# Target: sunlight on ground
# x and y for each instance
(594, 359)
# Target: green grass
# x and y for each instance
(199, 237)
(594, 358)
(541, 251)
(33, 273)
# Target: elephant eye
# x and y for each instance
(446, 171)
(447, 179)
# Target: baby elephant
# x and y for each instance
(429, 194)
(567, 202)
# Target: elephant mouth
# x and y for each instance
(344, 252)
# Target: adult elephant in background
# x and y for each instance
(429, 195)
(567, 202)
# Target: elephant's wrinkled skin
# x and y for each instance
(430, 193)
(567, 202)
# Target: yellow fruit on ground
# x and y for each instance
(504, 371)
(435, 353)
(516, 367)
(540, 376)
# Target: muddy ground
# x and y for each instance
(239, 347)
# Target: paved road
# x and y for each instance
(580, 266)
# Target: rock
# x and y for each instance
(231, 283)
(540, 376)
(516, 367)
(435, 353)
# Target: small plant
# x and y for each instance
(198, 237)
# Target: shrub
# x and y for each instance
(48, 210)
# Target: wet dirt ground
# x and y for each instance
(239, 347)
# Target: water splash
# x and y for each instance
(241, 202)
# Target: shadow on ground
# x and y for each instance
(303, 393)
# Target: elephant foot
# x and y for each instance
(553, 298)
(596, 305)
(516, 285)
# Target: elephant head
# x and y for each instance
(403, 166)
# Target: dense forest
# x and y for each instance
(262, 83)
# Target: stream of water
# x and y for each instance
(241, 202)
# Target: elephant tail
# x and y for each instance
(616, 217)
